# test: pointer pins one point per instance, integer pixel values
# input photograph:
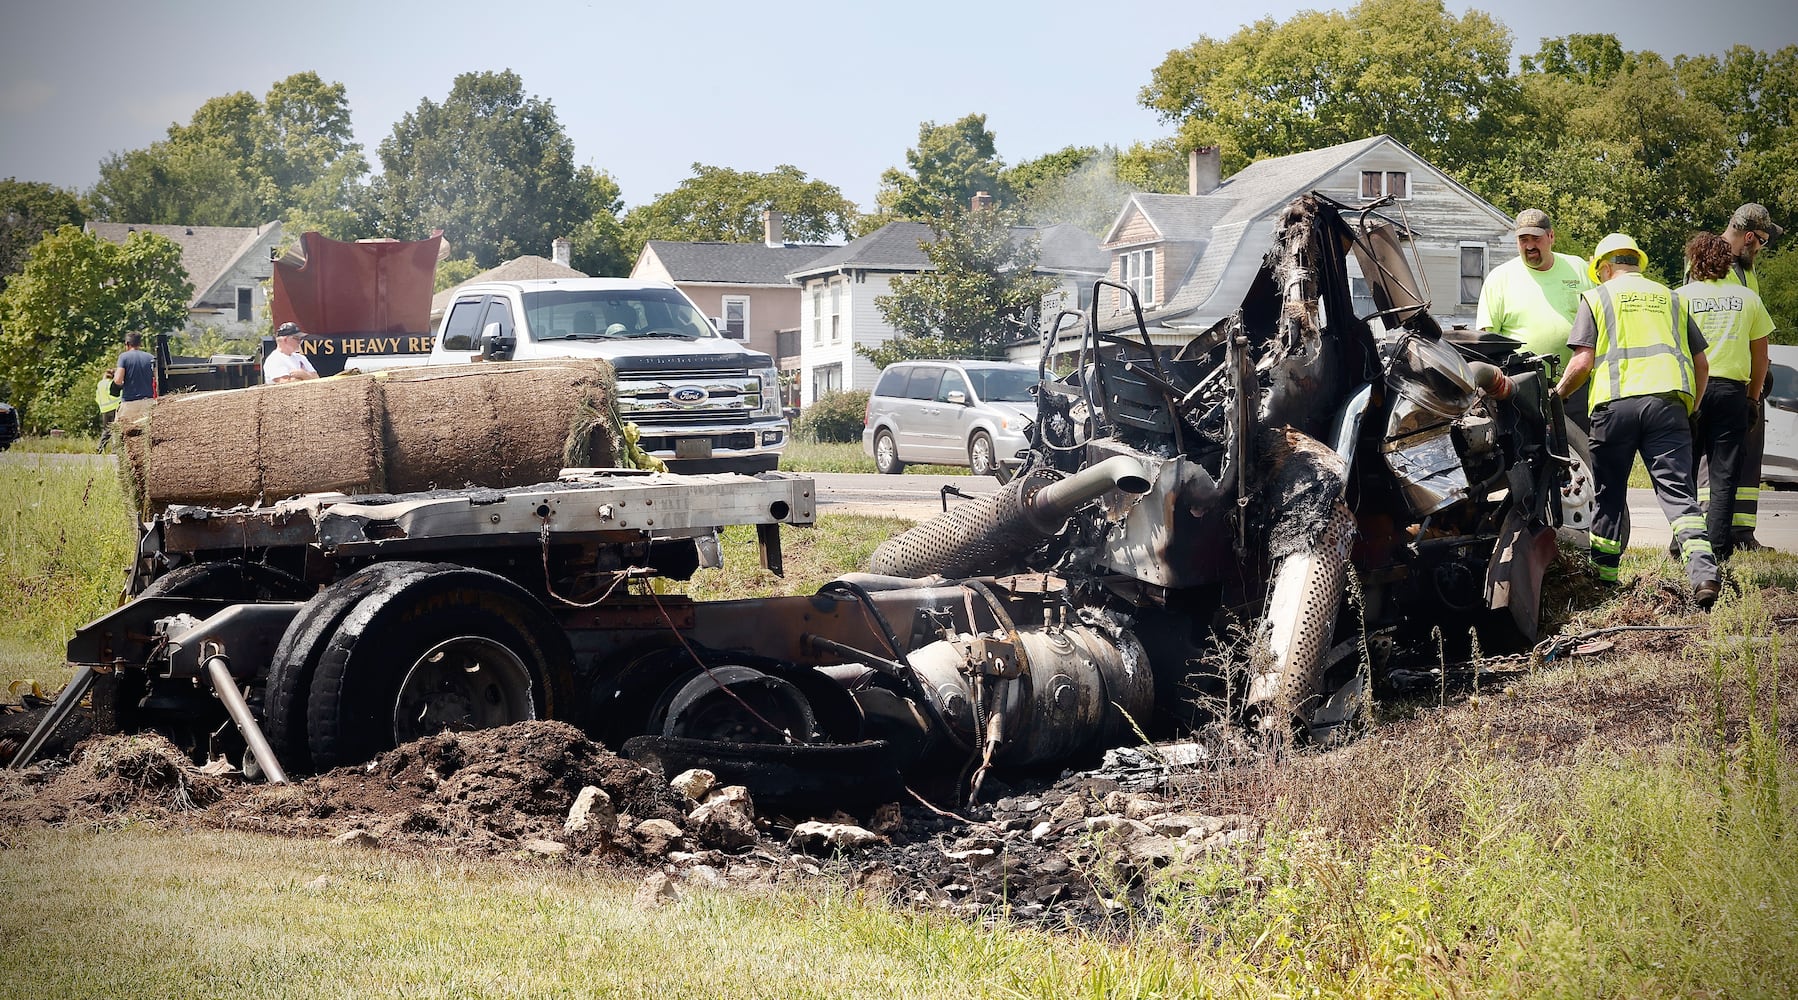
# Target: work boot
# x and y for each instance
(1746, 542)
(1706, 594)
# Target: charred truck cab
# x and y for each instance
(1174, 550)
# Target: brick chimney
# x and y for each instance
(981, 201)
(1204, 170)
(773, 233)
(561, 250)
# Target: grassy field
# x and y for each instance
(812, 456)
(1616, 827)
(66, 537)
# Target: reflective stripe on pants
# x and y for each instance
(1657, 429)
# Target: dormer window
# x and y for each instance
(1137, 268)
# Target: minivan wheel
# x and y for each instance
(983, 460)
(886, 454)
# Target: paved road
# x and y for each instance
(919, 497)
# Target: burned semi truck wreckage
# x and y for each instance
(1175, 551)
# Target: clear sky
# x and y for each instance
(647, 89)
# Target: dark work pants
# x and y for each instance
(1658, 430)
(1748, 484)
(1723, 421)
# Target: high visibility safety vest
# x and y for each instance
(103, 397)
(1642, 348)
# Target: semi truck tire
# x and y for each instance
(289, 682)
(446, 648)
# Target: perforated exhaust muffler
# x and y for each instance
(1294, 637)
(990, 533)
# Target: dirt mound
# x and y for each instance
(139, 775)
(481, 791)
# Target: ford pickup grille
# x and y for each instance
(707, 397)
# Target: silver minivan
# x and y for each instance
(972, 413)
(1780, 461)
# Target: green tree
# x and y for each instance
(600, 244)
(489, 166)
(981, 288)
(1612, 141)
(1439, 83)
(28, 210)
(241, 161)
(718, 203)
(73, 304)
(948, 166)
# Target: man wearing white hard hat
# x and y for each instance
(1636, 341)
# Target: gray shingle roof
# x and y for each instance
(1241, 234)
(733, 263)
(1178, 216)
(898, 246)
(207, 252)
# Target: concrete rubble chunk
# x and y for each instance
(1151, 851)
(658, 836)
(736, 794)
(356, 838)
(704, 876)
(1139, 807)
(592, 813)
(1072, 807)
(814, 837)
(1188, 825)
(695, 783)
(726, 822)
(1118, 825)
(544, 847)
(656, 890)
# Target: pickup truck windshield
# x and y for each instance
(621, 314)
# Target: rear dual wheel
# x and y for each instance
(400, 651)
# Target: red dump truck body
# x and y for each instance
(361, 298)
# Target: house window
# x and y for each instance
(1380, 183)
(817, 315)
(826, 379)
(1138, 270)
(246, 304)
(736, 317)
(836, 311)
(1360, 295)
(1473, 272)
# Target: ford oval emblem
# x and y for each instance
(689, 395)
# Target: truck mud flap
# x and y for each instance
(782, 776)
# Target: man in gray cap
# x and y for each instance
(1750, 229)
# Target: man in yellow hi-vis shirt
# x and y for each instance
(1635, 339)
(1532, 297)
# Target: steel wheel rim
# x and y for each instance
(462, 683)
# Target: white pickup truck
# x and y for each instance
(704, 403)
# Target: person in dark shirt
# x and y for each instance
(136, 378)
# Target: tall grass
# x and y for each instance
(66, 539)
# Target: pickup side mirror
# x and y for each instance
(497, 346)
(957, 397)
(1786, 403)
